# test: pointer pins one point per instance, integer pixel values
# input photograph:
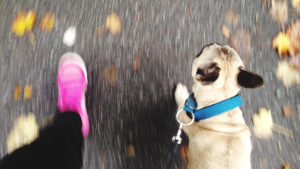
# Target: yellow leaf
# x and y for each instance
(47, 22)
(296, 3)
(113, 23)
(30, 20)
(263, 123)
(225, 31)
(17, 92)
(282, 44)
(286, 165)
(232, 18)
(131, 151)
(24, 131)
(279, 146)
(111, 74)
(28, 92)
(23, 22)
(136, 62)
(287, 73)
(19, 24)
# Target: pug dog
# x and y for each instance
(222, 141)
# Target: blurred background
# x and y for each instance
(136, 51)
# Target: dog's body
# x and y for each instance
(222, 141)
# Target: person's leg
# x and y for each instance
(60, 144)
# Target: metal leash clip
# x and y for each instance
(178, 138)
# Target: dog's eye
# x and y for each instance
(212, 68)
(212, 65)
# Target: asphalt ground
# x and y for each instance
(136, 108)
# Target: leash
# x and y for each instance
(200, 114)
(176, 140)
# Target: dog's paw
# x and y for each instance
(181, 94)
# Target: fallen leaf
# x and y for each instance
(263, 123)
(69, 36)
(283, 130)
(298, 110)
(31, 38)
(113, 23)
(257, 25)
(295, 61)
(104, 159)
(19, 24)
(282, 44)
(225, 31)
(289, 42)
(188, 12)
(131, 151)
(286, 165)
(232, 18)
(296, 3)
(241, 42)
(287, 111)
(111, 74)
(287, 73)
(293, 32)
(137, 16)
(279, 11)
(265, 2)
(28, 92)
(47, 21)
(30, 20)
(263, 163)
(24, 131)
(47, 121)
(136, 62)
(279, 146)
(101, 30)
(17, 92)
(24, 22)
(184, 153)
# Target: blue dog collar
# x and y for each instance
(212, 110)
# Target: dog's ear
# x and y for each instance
(249, 79)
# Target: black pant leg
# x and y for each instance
(58, 146)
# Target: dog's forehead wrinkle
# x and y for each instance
(205, 48)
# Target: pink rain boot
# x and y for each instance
(72, 84)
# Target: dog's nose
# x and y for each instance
(199, 73)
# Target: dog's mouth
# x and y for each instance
(208, 73)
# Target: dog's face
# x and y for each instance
(220, 67)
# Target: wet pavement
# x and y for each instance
(134, 109)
